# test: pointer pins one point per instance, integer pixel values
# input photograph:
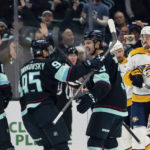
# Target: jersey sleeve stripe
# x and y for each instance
(69, 74)
(101, 77)
(62, 73)
(4, 83)
(104, 83)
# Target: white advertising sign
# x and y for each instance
(22, 141)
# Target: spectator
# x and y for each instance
(47, 18)
(4, 31)
(100, 15)
(137, 11)
(67, 39)
(135, 30)
(124, 30)
(59, 8)
(120, 21)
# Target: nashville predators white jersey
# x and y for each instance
(123, 68)
(138, 58)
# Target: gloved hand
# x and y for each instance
(6, 95)
(94, 64)
(86, 101)
(137, 78)
(5, 101)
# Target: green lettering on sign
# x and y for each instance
(27, 140)
(20, 128)
(11, 127)
(19, 139)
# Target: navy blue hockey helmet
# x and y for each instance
(72, 50)
(38, 46)
(95, 35)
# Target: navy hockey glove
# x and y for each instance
(6, 95)
(137, 78)
(5, 101)
(86, 102)
(94, 64)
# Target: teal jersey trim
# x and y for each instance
(101, 77)
(62, 73)
(36, 140)
(3, 79)
(29, 106)
(111, 111)
(4, 82)
(3, 115)
(94, 148)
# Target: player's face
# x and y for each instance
(145, 39)
(45, 53)
(89, 46)
(73, 58)
(119, 54)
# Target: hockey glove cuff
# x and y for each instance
(136, 78)
(86, 102)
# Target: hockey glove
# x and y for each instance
(94, 64)
(6, 95)
(136, 78)
(5, 101)
(86, 102)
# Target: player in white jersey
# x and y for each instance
(137, 75)
(118, 50)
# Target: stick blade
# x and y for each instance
(111, 25)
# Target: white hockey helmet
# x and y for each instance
(145, 30)
(117, 46)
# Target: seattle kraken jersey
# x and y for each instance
(30, 85)
(108, 88)
(39, 79)
(5, 90)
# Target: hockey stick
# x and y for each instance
(113, 32)
(130, 131)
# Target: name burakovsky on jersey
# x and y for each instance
(36, 66)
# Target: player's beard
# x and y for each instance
(120, 59)
(147, 47)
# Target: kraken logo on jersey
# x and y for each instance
(145, 69)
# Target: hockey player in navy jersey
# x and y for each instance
(106, 96)
(38, 88)
(5, 96)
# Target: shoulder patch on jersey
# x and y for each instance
(139, 50)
